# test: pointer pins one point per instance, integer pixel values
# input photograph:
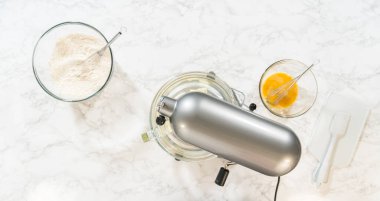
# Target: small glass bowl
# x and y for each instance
(43, 52)
(307, 88)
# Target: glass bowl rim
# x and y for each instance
(296, 114)
(35, 70)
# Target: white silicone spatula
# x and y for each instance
(338, 128)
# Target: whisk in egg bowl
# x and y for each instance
(282, 95)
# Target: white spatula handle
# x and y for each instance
(321, 174)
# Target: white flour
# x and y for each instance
(77, 75)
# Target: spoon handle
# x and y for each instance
(109, 43)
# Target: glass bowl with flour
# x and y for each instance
(66, 63)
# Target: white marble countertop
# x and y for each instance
(56, 151)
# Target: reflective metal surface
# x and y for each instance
(175, 88)
(232, 133)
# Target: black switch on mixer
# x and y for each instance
(222, 176)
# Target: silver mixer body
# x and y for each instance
(232, 133)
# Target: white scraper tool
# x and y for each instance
(338, 128)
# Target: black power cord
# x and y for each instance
(275, 193)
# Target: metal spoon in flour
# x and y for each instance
(100, 52)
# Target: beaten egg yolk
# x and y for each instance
(272, 83)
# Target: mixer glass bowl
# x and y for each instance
(307, 88)
(43, 52)
(185, 83)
